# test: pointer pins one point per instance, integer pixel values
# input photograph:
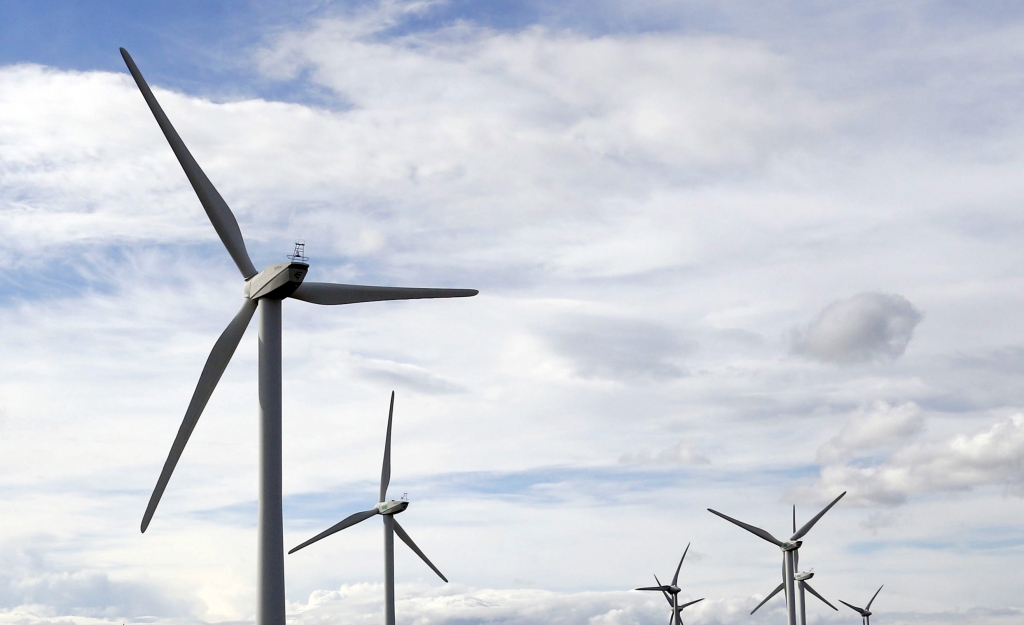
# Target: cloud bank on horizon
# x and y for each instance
(740, 261)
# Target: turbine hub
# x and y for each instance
(276, 281)
(392, 507)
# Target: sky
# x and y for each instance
(731, 255)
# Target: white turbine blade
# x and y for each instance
(405, 538)
(807, 526)
(689, 603)
(794, 518)
(335, 294)
(772, 594)
(868, 606)
(216, 362)
(385, 471)
(757, 531)
(216, 208)
(349, 521)
(675, 578)
(815, 593)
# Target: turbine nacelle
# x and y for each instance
(790, 545)
(392, 507)
(276, 281)
(802, 577)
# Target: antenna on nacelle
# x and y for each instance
(298, 255)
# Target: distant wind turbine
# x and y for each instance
(865, 612)
(263, 290)
(388, 510)
(789, 554)
(801, 583)
(671, 593)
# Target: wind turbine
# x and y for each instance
(801, 583)
(263, 290)
(388, 510)
(865, 612)
(671, 593)
(789, 553)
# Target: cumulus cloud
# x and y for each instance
(457, 604)
(990, 457)
(29, 580)
(863, 328)
(877, 427)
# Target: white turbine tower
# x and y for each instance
(865, 612)
(801, 584)
(671, 593)
(263, 290)
(789, 553)
(388, 510)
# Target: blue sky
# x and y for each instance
(730, 255)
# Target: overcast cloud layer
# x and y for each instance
(728, 257)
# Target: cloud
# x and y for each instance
(29, 579)
(990, 457)
(866, 327)
(618, 349)
(880, 426)
(457, 604)
(680, 453)
(406, 375)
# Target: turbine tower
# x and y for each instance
(801, 583)
(671, 593)
(263, 290)
(789, 553)
(388, 510)
(865, 612)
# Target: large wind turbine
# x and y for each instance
(263, 290)
(671, 593)
(865, 612)
(789, 553)
(801, 583)
(388, 510)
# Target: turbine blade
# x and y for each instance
(334, 294)
(807, 526)
(675, 578)
(216, 208)
(385, 471)
(757, 531)
(349, 521)
(794, 518)
(772, 594)
(689, 603)
(868, 607)
(815, 593)
(852, 607)
(661, 588)
(216, 362)
(405, 538)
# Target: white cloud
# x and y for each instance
(680, 453)
(862, 328)
(990, 457)
(880, 426)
